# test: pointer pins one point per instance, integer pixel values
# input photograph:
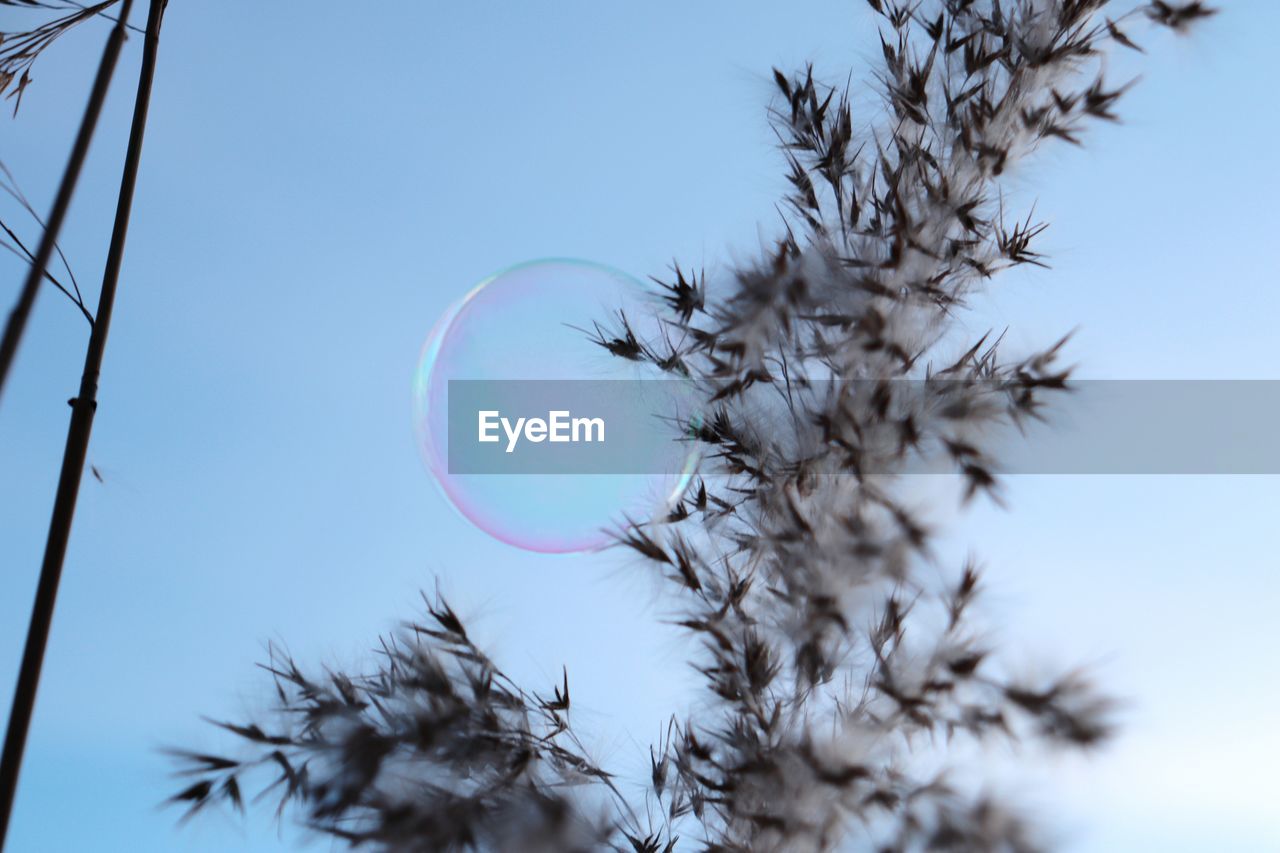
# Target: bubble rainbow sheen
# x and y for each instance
(533, 321)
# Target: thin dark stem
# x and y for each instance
(14, 190)
(82, 411)
(113, 20)
(31, 287)
(20, 249)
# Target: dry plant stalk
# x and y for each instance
(837, 675)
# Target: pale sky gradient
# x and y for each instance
(320, 182)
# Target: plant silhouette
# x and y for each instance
(838, 674)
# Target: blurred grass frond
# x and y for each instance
(19, 49)
(839, 671)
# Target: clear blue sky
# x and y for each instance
(319, 184)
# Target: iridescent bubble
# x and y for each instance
(536, 321)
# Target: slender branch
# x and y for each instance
(21, 311)
(19, 248)
(83, 407)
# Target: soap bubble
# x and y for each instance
(536, 321)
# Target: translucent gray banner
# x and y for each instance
(645, 426)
